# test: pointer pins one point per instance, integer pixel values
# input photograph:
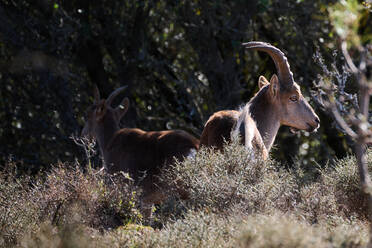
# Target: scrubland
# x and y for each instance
(234, 201)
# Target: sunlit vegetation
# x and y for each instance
(233, 203)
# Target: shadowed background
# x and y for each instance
(182, 61)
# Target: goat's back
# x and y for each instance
(220, 125)
(218, 128)
(136, 151)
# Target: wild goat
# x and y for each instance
(141, 154)
(278, 102)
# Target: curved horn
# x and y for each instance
(114, 94)
(281, 62)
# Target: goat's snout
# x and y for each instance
(314, 126)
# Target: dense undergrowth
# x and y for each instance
(234, 202)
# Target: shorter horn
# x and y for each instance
(114, 94)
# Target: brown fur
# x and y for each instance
(220, 126)
(146, 153)
(141, 154)
(276, 103)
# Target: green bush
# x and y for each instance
(231, 183)
(18, 213)
(48, 235)
(283, 230)
(219, 180)
(343, 179)
(93, 198)
(205, 229)
(224, 181)
(234, 201)
(65, 196)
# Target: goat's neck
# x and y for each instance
(266, 118)
(105, 132)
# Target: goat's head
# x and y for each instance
(284, 93)
(101, 110)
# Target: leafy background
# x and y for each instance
(182, 61)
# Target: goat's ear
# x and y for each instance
(262, 81)
(274, 85)
(101, 110)
(96, 95)
(122, 108)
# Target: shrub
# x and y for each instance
(234, 201)
(94, 198)
(17, 213)
(280, 230)
(223, 181)
(205, 229)
(63, 197)
(219, 180)
(344, 180)
(48, 235)
(229, 180)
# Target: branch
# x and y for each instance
(349, 61)
(342, 123)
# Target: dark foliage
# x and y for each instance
(181, 59)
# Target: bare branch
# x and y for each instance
(340, 121)
(348, 59)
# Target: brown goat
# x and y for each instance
(278, 102)
(141, 154)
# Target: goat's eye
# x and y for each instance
(294, 98)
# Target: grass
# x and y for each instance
(234, 202)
